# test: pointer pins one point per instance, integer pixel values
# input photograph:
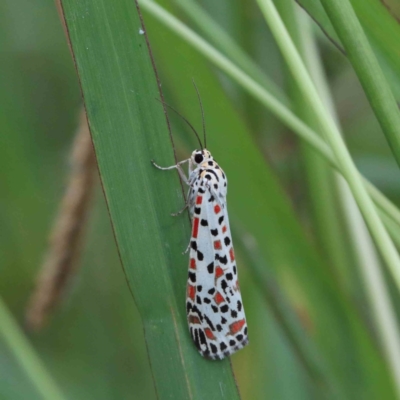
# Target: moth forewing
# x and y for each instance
(215, 313)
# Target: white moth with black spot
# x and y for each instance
(215, 313)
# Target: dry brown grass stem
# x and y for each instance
(61, 260)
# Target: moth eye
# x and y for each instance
(198, 158)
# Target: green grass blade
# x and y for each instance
(128, 129)
(26, 356)
(380, 23)
(320, 178)
(367, 68)
(387, 322)
(225, 43)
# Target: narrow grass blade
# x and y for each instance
(367, 68)
(381, 25)
(226, 44)
(26, 356)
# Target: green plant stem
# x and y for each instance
(350, 173)
(26, 356)
(322, 195)
(265, 98)
(367, 68)
(225, 43)
(361, 241)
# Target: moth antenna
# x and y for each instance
(190, 125)
(202, 114)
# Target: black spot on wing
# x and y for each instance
(214, 232)
(193, 245)
(212, 290)
(224, 309)
(197, 210)
(229, 276)
(196, 339)
(227, 241)
(239, 305)
(220, 219)
(200, 255)
(224, 285)
(192, 276)
(198, 300)
(210, 268)
(210, 324)
(222, 260)
(202, 337)
(204, 222)
(211, 198)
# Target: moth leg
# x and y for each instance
(187, 248)
(177, 166)
(180, 211)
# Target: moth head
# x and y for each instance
(199, 156)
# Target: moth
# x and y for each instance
(215, 313)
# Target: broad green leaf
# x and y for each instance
(128, 128)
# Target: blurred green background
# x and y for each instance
(94, 344)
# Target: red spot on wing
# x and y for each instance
(224, 229)
(209, 333)
(231, 254)
(237, 326)
(199, 199)
(218, 272)
(193, 319)
(192, 263)
(195, 230)
(217, 209)
(217, 245)
(219, 298)
(191, 291)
